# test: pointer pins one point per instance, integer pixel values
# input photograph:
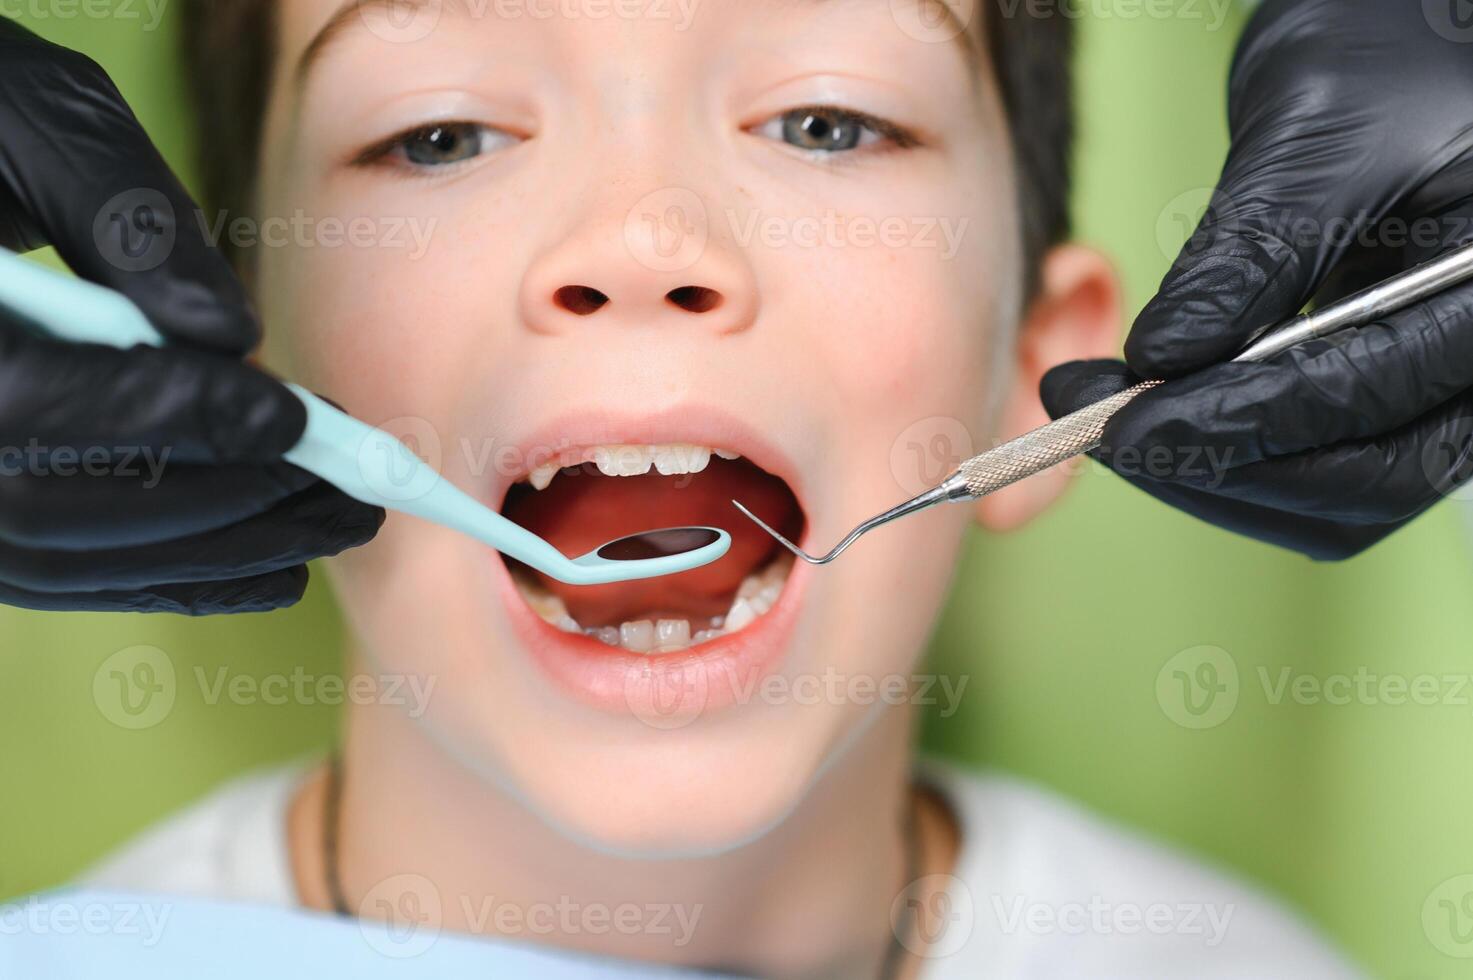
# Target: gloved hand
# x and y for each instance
(146, 480)
(1351, 158)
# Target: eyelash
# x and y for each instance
(380, 153)
(898, 137)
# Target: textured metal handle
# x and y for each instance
(1047, 445)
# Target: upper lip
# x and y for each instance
(694, 424)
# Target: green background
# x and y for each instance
(1356, 813)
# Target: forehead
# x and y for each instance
(310, 28)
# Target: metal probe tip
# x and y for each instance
(782, 540)
(955, 488)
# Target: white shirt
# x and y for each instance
(1041, 888)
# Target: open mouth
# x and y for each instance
(596, 494)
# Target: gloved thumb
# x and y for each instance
(1076, 384)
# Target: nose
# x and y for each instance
(658, 262)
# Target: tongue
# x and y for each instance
(583, 509)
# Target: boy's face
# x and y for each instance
(784, 229)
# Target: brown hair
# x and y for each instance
(229, 51)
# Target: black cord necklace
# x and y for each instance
(332, 817)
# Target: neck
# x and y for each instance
(811, 898)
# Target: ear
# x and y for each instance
(1075, 316)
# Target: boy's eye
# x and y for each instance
(829, 129)
(439, 145)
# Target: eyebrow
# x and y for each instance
(343, 19)
(339, 23)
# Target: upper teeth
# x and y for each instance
(668, 459)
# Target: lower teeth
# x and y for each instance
(755, 596)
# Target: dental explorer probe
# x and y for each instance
(1079, 432)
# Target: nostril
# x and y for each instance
(581, 300)
(695, 299)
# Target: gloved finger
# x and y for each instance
(1388, 479)
(133, 501)
(1194, 485)
(1309, 535)
(1077, 384)
(77, 171)
(1301, 184)
(1403, 239)
(1352, 386)
(317, 523)
(197, 407)
(1242, 269)
(257, 593)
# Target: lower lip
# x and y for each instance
(664, 690)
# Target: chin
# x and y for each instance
(688, 795)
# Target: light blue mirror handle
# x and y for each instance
(362, 461)
(375, 467)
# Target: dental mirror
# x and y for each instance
(375, 467)
(659, 544)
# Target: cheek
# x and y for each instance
(397, 332)
(903, 332)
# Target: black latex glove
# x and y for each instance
(1351, 159)
(86, 520)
